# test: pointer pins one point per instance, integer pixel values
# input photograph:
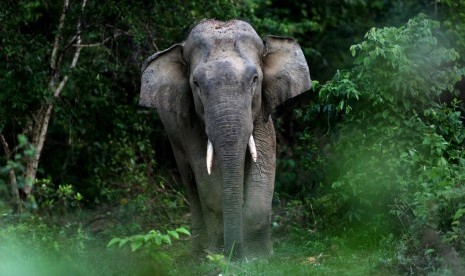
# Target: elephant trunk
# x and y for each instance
(230, 138)
(232, 175)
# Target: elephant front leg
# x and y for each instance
(198, 227)
(259, 187)
(199, 235)
(209, 187)
(257, 220)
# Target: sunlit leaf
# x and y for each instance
(136, 245)
(113, 242)
(183, 230)
(174, 234)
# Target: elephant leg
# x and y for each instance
(214, 221)
(198, 227)
(259, 186)
(209, 187)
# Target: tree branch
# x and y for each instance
(63, 82)
(118, 30)
(152, 39)
(98, 44)
(56, 44)
(67, 47)
(60, 86)
(6, 148)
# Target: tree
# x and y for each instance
(37, 126)
(29, 104)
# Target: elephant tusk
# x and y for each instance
(252, 149)
(209, 157)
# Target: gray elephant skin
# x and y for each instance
(214, 94)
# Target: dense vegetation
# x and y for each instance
(370, 175)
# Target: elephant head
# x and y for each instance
(227, 77)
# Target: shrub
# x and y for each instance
(395, 157)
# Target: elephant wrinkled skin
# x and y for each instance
(217, 90)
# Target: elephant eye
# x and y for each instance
(254, 83)
(197, 86)
(254, 80)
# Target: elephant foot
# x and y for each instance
(198, 251)
(213, 250)
(235, 252)
(199, 243)
(258, 243)
(259, 250)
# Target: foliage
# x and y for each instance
(324, 29)
(150, 240)
(13, 177)
(24, 151)
(33, 246)
(453, 14)
(38, 237)
(153, 244)
(55, 199)
(397, 145)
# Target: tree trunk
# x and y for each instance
(42, 120)
(12, 176)
(38, 140)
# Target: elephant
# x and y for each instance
(214, 94)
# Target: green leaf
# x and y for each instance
(158, 239)
(113, 242)
(123, 242)
(337, 184)
(353, 50)
(166, 239)
(385, 114)
(460, 212)
(22, 139)
(136, 245)
(429, 251)
(174, 234)
(137, 238)
(183, 230)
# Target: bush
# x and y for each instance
(395, 158)
(55, 199)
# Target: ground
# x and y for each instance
(33, 246)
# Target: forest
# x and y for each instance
(370, 175)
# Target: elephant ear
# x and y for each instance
(285, 71)
(165, 84)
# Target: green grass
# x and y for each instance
(32, 247)
(306, 254)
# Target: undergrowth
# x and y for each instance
(34, 246)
